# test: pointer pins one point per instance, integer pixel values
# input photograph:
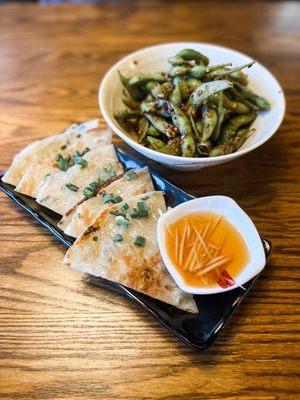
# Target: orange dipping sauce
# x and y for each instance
(206, 249)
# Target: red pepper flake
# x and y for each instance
(227, 281)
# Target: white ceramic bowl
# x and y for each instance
(237, 217)
(154, 58)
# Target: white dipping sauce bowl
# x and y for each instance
(153, 59)
(237, 217)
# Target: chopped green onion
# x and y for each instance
(116, 199)
(104, 176)
(111, 174)
(117, 213)
(122, 221)
(139, 241)
(143, 209)
(88, 192)
(124, 207)
(72, 187)
(86, 150)
(63, 163)
(130, 175)
(58, 157)
(118, 237)
(79, 160)
(108, 198)
(94, 185)
(134, 213)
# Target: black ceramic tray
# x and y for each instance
(195, 330)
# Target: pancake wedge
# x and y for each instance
(125, 250)
(78, 218)
(34, 163)
(61, 190)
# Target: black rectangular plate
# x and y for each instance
(195, 330)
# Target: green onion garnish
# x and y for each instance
(118, 237)
(94, 185)
(143, 209)
(111, 198)
(130, 175)
(124, 207)
(134, 213)
(104, 176)
(79, 160)
(86, 150)
(72, 187)
(116, 199)
(139, 241)
(117, 213)
(122, 221)
(108, 198)
(64, 163)
(88, 192)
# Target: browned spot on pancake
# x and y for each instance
(90, 229)
(97, 224)
(71, 210)
(144, 275)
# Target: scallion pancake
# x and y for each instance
(125, 250)
(61, 190)
(75, 141)
(77, 219)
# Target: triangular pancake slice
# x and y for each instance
(62, 190)
(102, 252)
(41, 149)
(76, 140)
(81, 216)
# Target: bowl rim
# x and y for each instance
(182, 210)
(180, 159)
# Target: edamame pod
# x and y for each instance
(190, 54)
(135, 92)
(203, 92)
(234, 124)
(236, 107)
(162, 125)
(183, 124)
(210, 119)
(143, 125)
(262, 103)
(175, 96)
(152, 131)
(204, 147)
(172, 148)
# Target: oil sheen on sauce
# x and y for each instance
(206, 249)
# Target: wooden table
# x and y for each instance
(63, 339)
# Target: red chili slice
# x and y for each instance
(226, 281)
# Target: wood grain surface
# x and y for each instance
(63, 339)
